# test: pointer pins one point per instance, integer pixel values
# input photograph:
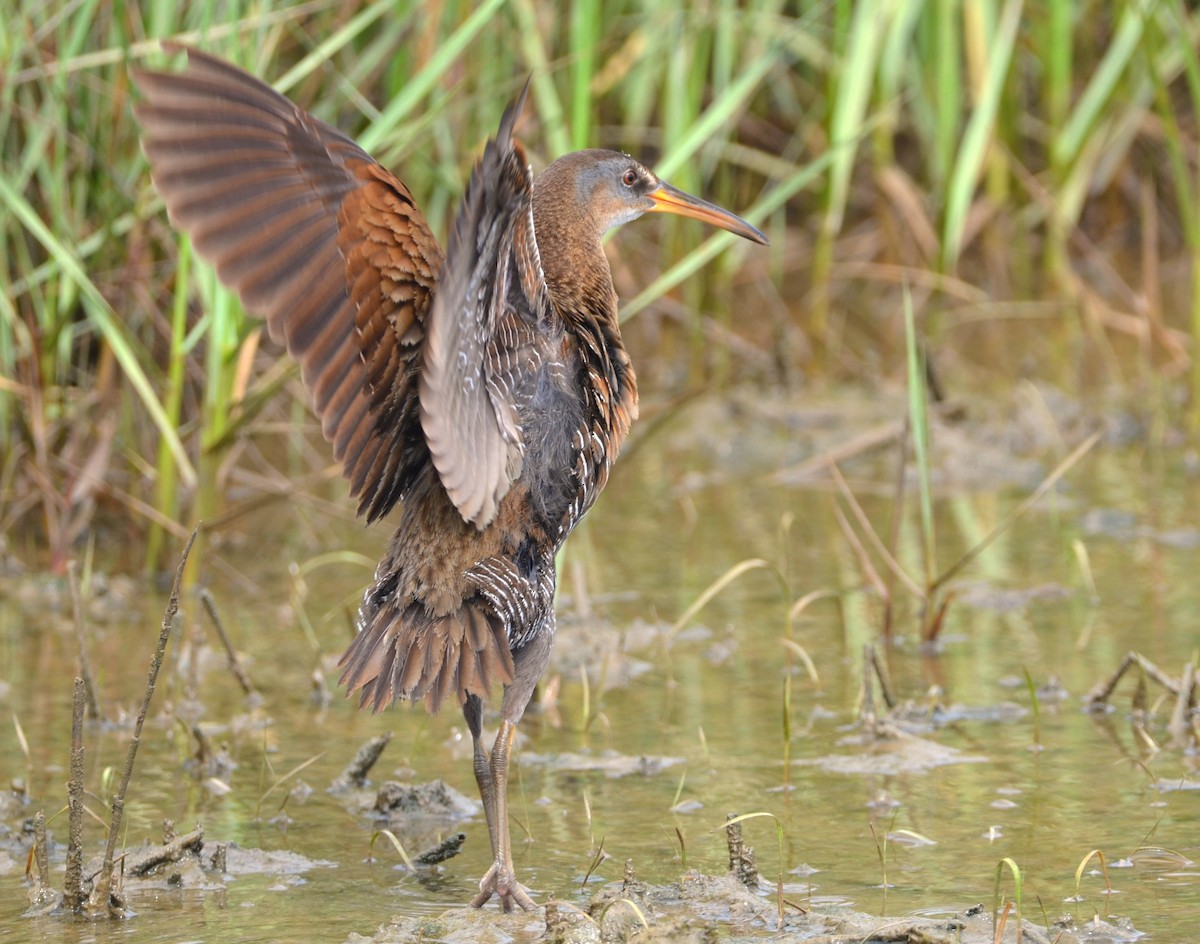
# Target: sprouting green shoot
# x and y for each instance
(1015, 871)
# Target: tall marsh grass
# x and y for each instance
(983, 151)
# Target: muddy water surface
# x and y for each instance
(649, 733)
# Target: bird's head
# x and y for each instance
(607, 188)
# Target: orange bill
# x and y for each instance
(668, 199)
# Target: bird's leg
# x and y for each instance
(483, 777)
(473, 712)
(501, 878)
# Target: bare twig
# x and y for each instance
(741, 856)
(897, 518)
(933, 626)
(446, 849)
(171, 851)
(99, 900)
(320, 695)
(874, 438)
(867, 713)
(43, 899)
(85, 665)
(73, 882)
(235, 665)
(885, 681)
(864, 522)
(1138, 716)
(355, 774)
(1181, 732)
(41, 855)
(599, 857)
(1103, 689)
(870, 574)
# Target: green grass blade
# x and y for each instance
(919, 415)
(1090, 107)
(978, 134)
(100, 313)
(585, 36)
(1015, 871)
(721, 111)
(549, 106)
(857, 74)
(449, 52)
(947, 97)
(325, 50)
(166, 494)
(714, 588)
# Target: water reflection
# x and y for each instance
(704, 706)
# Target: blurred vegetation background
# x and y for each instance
(1028, 171)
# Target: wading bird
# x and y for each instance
(486, 389)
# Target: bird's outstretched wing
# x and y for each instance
(315, 236)
(482, 345)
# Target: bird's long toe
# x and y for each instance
(501, 881)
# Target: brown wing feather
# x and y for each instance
(315, 236)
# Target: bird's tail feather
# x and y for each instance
(413, 655)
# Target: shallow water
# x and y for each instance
(694, 498)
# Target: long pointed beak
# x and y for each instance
(668, 199)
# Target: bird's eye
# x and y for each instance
(629, 178)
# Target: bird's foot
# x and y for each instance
(501, 881)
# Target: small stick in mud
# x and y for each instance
(598, 858)
(741, 856)
(355, 774)
(867, 714)
(209, 760)
(320, 695)
(876, 727)
(73, 882)
(43, 899)
(235, 665)
(1097, 698)
(1181, 732)
(171, 851)
(885, 680)
(446, 849)
(85, 665)
(41, 855)
(101, 898)
(1138, 716)
(890, 576)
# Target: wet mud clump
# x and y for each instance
(705, 909)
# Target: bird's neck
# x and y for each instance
(576, 269)
(581, 290)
